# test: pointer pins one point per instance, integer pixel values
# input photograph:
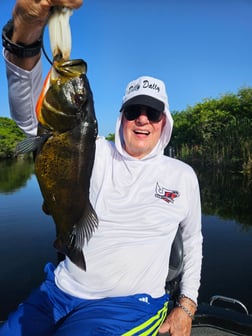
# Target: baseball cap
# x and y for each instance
(148, 91)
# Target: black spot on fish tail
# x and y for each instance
(74, 254)
(31, 144)
(77, 257)
(80, 234)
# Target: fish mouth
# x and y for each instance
(69, 68)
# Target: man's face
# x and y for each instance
(141, 134)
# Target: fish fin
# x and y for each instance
(80, 233)
(31, 144)
(77, 257)
(86, 226)
(74, 254)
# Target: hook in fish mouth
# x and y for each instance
(69, 68)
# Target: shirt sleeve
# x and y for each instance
(24, 88)
(192, 241)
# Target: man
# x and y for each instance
(140, 197)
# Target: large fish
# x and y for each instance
(64, 155)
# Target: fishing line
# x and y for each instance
(43, 47)
(58, 56)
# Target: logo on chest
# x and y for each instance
(166, 195)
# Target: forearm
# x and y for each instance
(187, 305)
(190, 281)
(26, 63)
(24, 73)
(24, 88)
(192, 242)
(28, 25)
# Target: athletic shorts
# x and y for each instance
(50, 312)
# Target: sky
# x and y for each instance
(201, 49)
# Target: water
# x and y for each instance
(27, 235)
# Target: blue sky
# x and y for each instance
(200, 48)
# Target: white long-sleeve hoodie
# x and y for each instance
(139, 203)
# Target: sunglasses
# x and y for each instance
(134, 111)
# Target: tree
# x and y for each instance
(110, 137)
(10, 135)
(216, 131)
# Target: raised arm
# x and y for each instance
(23, 69)
(29, 19)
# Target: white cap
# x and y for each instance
(148, 91)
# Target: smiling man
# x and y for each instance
(142, 127)
(145, 114)
(140, 196)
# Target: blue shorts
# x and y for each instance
(49, 311)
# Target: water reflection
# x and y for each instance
(14, 174)
(27, 235)
(224, 194)
(227, 195)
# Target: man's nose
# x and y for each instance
(143, 118)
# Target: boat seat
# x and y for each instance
(175, 265)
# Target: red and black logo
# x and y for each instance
(165, 194)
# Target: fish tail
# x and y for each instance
(81, 233)
(77, 257)
(75, 254)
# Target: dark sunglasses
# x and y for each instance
(134, 111)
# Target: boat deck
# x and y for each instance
(214, 320)
(211, 331)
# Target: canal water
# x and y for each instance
(27, 234)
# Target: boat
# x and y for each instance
(229, 317)
(212, 320)
(221, 316)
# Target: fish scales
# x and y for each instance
(64, 155)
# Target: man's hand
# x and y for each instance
(34, 11)
(30, 17)
(178, 321)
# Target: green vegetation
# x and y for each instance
(213, 133)
(216, 132)
(110, 137)
(10, 135)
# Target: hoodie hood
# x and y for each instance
(148, 91)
